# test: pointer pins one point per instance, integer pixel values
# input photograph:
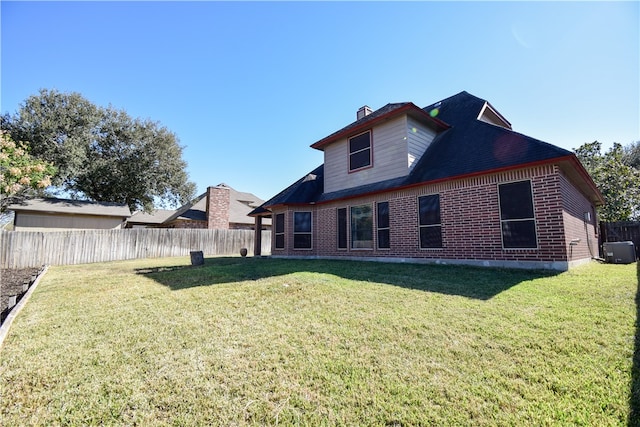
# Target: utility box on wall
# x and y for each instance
(619, 252)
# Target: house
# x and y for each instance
(448, 183)
(219, 207)
(51, 214)
(153, 219)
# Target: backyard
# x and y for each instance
(258, 341)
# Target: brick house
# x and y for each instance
(219, 207)
(448, 183)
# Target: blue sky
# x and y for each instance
(247, 87)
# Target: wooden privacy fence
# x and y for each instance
(20, 249)
(626, 231)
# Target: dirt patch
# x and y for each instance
(12, 284)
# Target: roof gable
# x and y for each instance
(489, 114)
(387, 112)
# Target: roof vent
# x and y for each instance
(310, 177)
(363, 111)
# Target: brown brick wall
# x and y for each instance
(185, 223)
(470, 221)
(577, 225)
(218, 200)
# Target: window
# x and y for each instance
(382, 218)
(342, 228)
(361, 227)
(360, 151)
(302, 230)
(516, 215)
(279, 231)
(429, 221)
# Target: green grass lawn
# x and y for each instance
(265, 342)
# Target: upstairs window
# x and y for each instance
(360, 151)
(429, 221)
(517, 220)
(302, 230)
(279, 231)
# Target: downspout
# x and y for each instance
(585, 216)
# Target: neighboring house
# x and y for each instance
(219, 207)
(448, 183)
(50, 214)
(149, 220)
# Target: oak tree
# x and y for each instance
(618, 182)
(103, 154)
(631, 155)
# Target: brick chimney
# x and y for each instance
(363, 111)
(218, 199)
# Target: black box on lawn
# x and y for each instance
(619, 252)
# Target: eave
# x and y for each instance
(576, 172)
(570, 165)
(259, 211)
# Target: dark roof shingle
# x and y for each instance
(468, 147)
(69, 207)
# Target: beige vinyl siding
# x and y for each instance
(389, 145)
(336, 157)
(46, 222)
(419, 138)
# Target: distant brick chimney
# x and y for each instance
(218, 199)
(363, 111)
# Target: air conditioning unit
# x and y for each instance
(619, 252)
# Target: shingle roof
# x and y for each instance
(72, 207)
(158, 216)
(468, 147)
(240, 205)
(472, 146)
(307, 189)
(195, 211)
